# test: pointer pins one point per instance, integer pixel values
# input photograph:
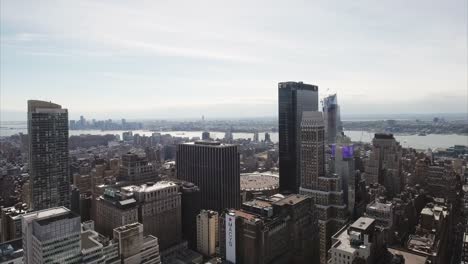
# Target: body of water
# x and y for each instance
(418, 142)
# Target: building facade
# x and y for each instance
(51, 236)
(48, 155)
(159, 210)
(114, 209)
(384, 164)
(215, 169)
(293, 99)
(276, 229)
(137, 170)
(11, 222)
(324, 188)
(134, 247)
(331, 114)
(207, 232)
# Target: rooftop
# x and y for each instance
(149, 187)
(207, 143)
(46, 216)
(344, 242)
(11, 250)
(259, 181)
(383, 136)
(291, 199)
(409, 257)
(88, 241)
(363, 223)
(245, 215)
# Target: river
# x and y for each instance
(418, 142)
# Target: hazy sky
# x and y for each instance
(152, 59)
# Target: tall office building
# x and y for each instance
(137, 170)
(383, 166)
(191, 206)
(51, 236)
(275, 229)
(293, 99)
(207, 232)
(331, 114)
(324, 188)
(10, 220)
(134, 247)
(159, 210)
(215, 169)
(343, 164)
(114, 209)
(48, 155)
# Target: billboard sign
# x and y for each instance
(231, 237)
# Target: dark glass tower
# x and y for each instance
(293, 99)
(215, 169)
(48, 155)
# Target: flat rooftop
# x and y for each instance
(344, 242)
(245, 215)
(87, 240)
(258, 203)
(291, 199)
(410, 258)
(379, 206)
(259, 181)
(207, 143)
(46, 216)
(149, 187)
(363, 223)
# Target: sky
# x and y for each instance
(184, 59)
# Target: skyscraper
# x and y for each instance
(293, 99)
(324, 188)
(383, 166)
(159, 210)
(207, 232)
(331, 114)
(51, 236)
(215, 169)
(48, 155)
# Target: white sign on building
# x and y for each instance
(231, 237)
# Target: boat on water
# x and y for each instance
(422, 134)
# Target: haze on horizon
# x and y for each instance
(184, 59)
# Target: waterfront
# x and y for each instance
(419, 142)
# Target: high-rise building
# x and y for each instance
(324, 188)
(134, 247)
(159, 210)
(383, 166)
(206, 135)
(137, 170)
(48, 155)
(343, 164)
(360, 242)
(331, 114)
(276, 229)
(191, 206)
(293, 99)
(51, 236)
(207, 232)
(11, 222)
(96, 248)
(215, 169)
(114, 209)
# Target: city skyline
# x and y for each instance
(156, 60)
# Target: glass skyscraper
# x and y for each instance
(294, 98)
(48, 155)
